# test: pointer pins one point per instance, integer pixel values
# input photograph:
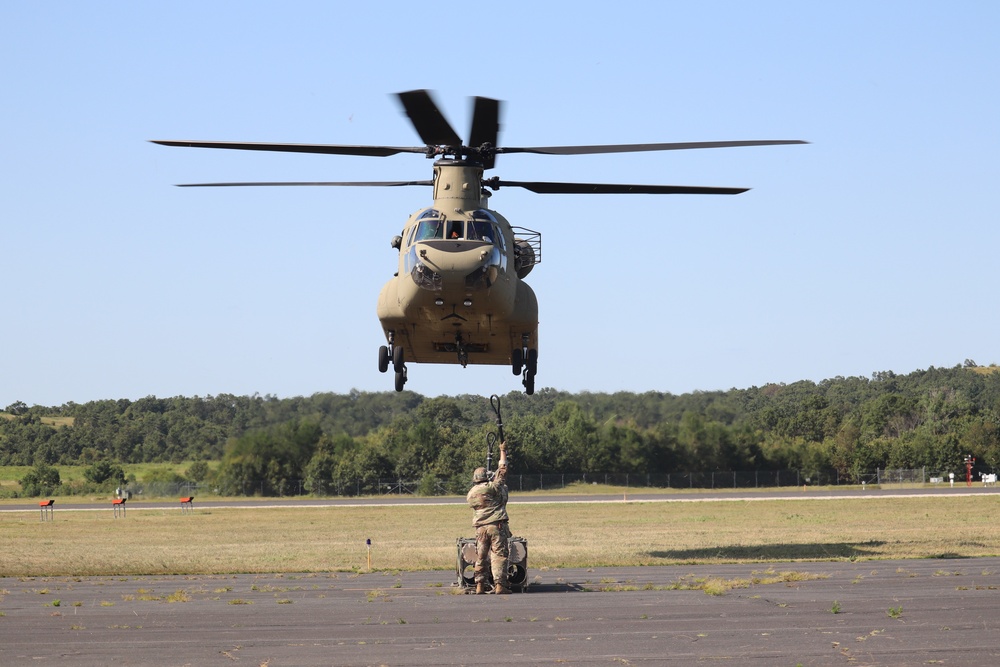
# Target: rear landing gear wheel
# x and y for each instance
(531, 369)
(529, 383)
(400, 379)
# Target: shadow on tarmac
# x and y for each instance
(776, 552)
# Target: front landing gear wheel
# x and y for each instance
(516, 360)
(397, 359)
(400, 379)
(383, 359)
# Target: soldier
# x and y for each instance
(488, 499)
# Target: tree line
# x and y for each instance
(334, 443)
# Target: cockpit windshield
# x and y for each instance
(430, 226)
(481, 231)
(484, 227)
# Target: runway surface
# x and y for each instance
(909, 612)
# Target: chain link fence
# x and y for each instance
(429, 486)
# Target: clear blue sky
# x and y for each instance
(873, 248)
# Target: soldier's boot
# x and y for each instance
(480, 588)
(502, 590)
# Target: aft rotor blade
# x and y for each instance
(638, 148)
(428, 120)
(612, 188)
(306, 183)
(327, 149)
(485, 127)
(485, 122)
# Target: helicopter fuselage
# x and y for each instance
(457, 296)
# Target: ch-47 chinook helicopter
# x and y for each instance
(459, 294)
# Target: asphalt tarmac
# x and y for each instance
(908, 612)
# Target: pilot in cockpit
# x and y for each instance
(480, 231)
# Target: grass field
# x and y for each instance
(55, 422)
(322, 539)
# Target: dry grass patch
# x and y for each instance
(715, 585)
(420, 537)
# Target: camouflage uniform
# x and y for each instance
(489, 500)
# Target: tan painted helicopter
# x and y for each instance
(459, 294)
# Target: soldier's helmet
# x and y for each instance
(479, 475)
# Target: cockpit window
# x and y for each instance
(430, 225)
(484, 227)
(455, 229)
(481, 231)
(430, 229)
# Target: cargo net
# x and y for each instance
(517, 565)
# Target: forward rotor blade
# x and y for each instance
(485, 127)
(541, 187)
(428, 120)
(327, 149)
(305, 183)
(638, 148)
